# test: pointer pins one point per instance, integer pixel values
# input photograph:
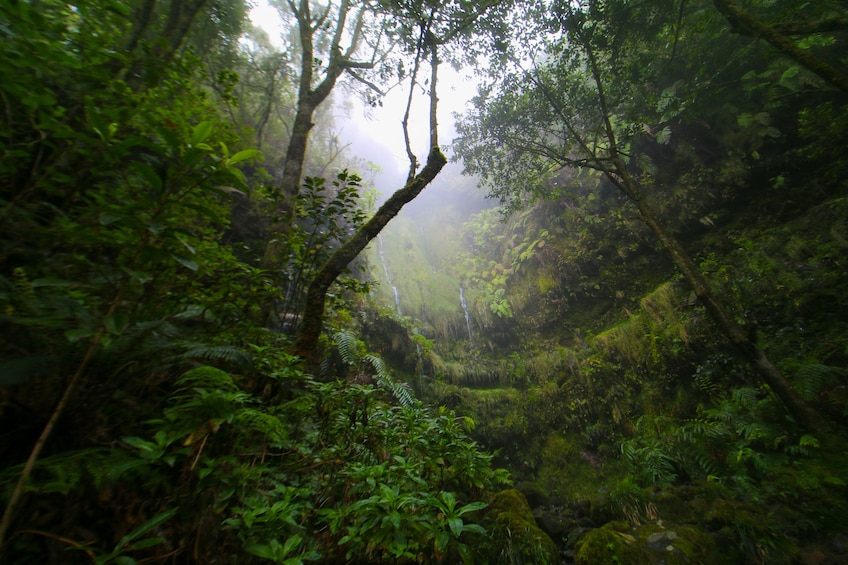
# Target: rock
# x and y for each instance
(554, 524)
(662, 540)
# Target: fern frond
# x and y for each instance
(746, 397)
(226, 353)
(347, 344)
(811, 379)
(254, 420)
(401, 391)
(207, 378)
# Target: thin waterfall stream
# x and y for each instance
(467, 315)
(386, 271)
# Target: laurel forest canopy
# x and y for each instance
(639, 356)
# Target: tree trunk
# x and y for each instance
(747, 348)
(308, 100)
(313, 313)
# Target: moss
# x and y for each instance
(608, 545)
(514, 532)
(654, 542)
(568, 471)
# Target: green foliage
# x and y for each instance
(336, 472)
(326, 217)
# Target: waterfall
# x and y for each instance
(386, 271)
(467, 315)
(397, 298)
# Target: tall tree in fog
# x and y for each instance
(599, 98)
(428, 30)
(340, 31)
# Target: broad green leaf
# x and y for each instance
(261, 550)
(78, 334)
(201, 132)
(474, 529)
(291, 544)
(455, 525)
(243, 155)
(115, 323)
(471, 507)
(442, 540)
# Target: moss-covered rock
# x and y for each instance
(611, 544)
(568, 471)
(514, 532)
(654, 543)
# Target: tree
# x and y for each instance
(313, 314)
(572, 112)
(776, 36)
(431, 29)
(310, 93)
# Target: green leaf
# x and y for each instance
(442, 540)
(479, 505)
(78, 334)
(474, 529)
(243, 155)
(139, 276)
(147, 526)
(115, 323)
(260, 550)
(455, 525)
(292, 543)
(201, 132)
(145, 543)
(186, 261)
(107, 219)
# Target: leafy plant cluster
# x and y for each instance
(326, 218)
(335, 473)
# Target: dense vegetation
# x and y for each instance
(639, 357)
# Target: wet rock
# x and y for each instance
(662, 540)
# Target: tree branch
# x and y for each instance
(739, 18)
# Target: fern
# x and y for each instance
(253, 420)
(348, 346)
(811, 379)
(401, 391)
(206, 377)
(225, 353)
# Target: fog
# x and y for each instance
(375, 134)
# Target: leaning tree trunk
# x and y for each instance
(746, 347)
(313, 313)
